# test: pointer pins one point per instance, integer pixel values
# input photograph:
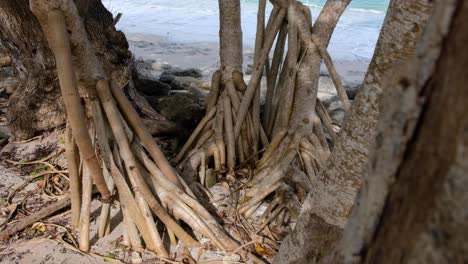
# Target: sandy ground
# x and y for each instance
(51, 240)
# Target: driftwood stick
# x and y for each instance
(33, 218)
(60, 44)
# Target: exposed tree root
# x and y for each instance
(118, 153)
(297, 132)
(109, 145)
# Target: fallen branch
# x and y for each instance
(33, 218)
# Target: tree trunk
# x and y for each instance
(36, 104)
(230, 37)
(326, 209)
(413, 209)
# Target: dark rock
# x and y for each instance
(153, 101)
(185, 83)
(249, 69)
(352, 90)
(160, 127)
(175, 86)
(152, 87)
(199, 93)
(183, 109)
(195, 73)
(6, 72)
(181, 82)
(166, 78)
(327, 101)
(335, 109)
(337, 116)
(9, 85)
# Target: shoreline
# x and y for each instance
(161, 52)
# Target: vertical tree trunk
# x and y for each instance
(413, 207)
(36, 104)
(326, 209)
(230, 36)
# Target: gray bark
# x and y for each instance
(327, 207)
(36, 104)
(230, 36)
(412, 208)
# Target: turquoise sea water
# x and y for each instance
(198, 21)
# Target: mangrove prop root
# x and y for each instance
(145, 137)
(71, 152)
(257, 74)
(59, 41)
(85, 210)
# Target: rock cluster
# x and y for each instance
(175, 93)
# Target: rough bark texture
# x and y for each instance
(36, 104)
(326, 209)
(412, 208)
(309, 71)
(230, 33)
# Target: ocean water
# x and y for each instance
(198, 21)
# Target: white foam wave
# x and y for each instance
(364, 10)
(197, 21)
